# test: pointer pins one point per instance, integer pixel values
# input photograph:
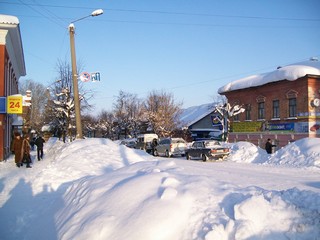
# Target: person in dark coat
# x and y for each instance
(26, 150)
(39, 143)
(32, 143)
(17, 149)
(269, 146)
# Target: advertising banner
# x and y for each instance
(14, 104)
(281, 127)
(247, 126)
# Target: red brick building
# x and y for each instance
(12, 67)
(282, 105)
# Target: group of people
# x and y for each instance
(21, 148)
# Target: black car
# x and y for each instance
(207, 149)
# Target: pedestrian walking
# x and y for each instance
(269, 146)
(26, 150)
(39, 143)
(17, 149)
(32, 142)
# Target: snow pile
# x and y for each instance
(302, 153)
(247, 152)
(96, 189)
(290, 72)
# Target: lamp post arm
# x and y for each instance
(93, 14)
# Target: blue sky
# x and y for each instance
(188, 48)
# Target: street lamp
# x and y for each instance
(74, 71)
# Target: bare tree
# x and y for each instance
(38, 102)
(61, 107)
(162, 112)
(127, 112)
(226, 111)
(90, 125)
(105, 124)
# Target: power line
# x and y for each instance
(180, 24)
(35, 10)
(172, 13)
(237, 75)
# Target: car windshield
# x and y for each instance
(178, 141)
(211, 144)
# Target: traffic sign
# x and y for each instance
(85, 77)
(95, 77)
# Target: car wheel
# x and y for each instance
(167, 154)
(155, 153)
(188, 157)
(204, 157)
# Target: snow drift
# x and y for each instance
(96, 189)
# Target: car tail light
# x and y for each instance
(213, 150)
(170, 146)
(226, 150)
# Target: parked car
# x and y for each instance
(146, 142)
(131, 143)
(207, 149)
(169, 147)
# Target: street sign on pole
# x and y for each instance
(95, 77)
(84, 77)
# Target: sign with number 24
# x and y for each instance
(14, 104)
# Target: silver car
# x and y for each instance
(169, 147)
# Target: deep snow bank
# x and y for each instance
(302, 153)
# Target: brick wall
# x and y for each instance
(270, 92)
(305, 89)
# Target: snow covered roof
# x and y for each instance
(11, 38)
(192, 115)
(290, 72)
(7, 19)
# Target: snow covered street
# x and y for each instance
(97, 189)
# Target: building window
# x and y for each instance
(236, 117)
(276, 109)
(248, 112)
(292, 107)
(261, 110)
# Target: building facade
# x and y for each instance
(12, 67)
(282, 105)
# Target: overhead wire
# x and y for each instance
(234, 76)
(35, 10)
(171, 13)
(53, 15)
(53, 18)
